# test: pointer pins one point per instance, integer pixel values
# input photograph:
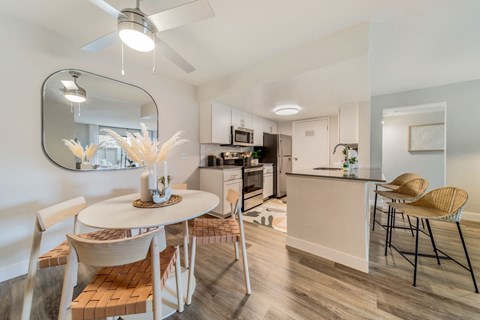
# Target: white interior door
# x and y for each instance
(310, 144)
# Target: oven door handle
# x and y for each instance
(254, 169)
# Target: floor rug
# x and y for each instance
(272, 213)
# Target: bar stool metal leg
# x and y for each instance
(433, 241)
(375, 209)
(416, 256)
(392, 224)
(467, 256)
(388, 227)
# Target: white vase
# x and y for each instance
(85, 165)
(145, 193)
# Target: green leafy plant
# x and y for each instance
(352, 160)
(162, 179)
(256, 154)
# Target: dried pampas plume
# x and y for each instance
(78, 151)
(141, 149)
(75, 147)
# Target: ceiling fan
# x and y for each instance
(72, 91)
(140, 31)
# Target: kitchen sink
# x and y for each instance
(328, 168)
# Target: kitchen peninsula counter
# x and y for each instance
(329, 214)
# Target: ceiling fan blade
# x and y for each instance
(182, 15)
(101, 43)
(69, 85)
(107, 8)
(171, 55)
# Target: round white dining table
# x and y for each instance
(119, 213)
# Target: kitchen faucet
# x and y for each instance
(346, 149)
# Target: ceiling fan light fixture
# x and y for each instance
(287, 110)
(77, 96)
(136, 31)
(75, 93)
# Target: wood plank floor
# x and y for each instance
(289, 284)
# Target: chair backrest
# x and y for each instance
(179, 186)
(401, 179)
(415, 187)
(116, 252)
(233, 197)
(450, 200)
(52, 215)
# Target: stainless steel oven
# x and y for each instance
(242, 137)
(252, 186)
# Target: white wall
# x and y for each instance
(397, 159)
(29, 181)
(463, 130)
(284, 127)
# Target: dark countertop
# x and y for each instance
(225, 167)
(374, 175)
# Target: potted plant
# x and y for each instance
(255, 156)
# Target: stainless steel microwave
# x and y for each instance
(242, 137)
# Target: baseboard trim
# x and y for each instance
(13, 271)
(328, 253)
(471, 216)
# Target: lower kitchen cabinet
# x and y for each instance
(267, 181)
(218, 182)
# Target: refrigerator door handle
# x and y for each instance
(281, 154)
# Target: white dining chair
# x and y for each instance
(45, 219)
(134, 271)
(186, 237)
(214, 230)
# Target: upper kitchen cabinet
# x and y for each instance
(215, 123)
(258, 129)
(270, 126)
(242, 119)
(348, 123)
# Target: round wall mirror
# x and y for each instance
(77, 105)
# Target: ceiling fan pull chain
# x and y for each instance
(154, 60)
(123, 70)
(79, 105)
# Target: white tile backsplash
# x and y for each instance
(207, 149)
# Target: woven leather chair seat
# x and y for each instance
(121, 290)
(58, 255)
(211, 230)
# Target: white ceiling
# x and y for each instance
(318, 92)
(413, 44)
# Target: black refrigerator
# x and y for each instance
(277, 149)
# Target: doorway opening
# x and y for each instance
(414, 140)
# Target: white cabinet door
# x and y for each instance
(221, 123)
(242, 119)
(258, 126)
(235, 185)
(237, 118)
(270, 126)
(267, 185)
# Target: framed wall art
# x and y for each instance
(426, 137)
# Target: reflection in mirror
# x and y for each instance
(107, 104)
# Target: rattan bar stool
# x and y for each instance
(440, 204)
(45, 219)
(409, 191)
(393, 185)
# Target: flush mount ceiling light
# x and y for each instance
(135, 30)
(72, 91)
(287, 110)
